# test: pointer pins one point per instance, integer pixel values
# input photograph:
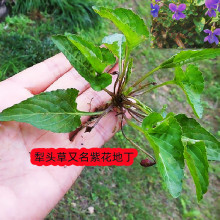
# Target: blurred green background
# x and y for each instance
(184, 33)
(114, 192)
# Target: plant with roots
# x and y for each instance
(175, 139)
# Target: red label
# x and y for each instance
(83, 156)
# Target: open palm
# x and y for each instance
(28, 191)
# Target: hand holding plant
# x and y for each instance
(28, 191)
(175, 139)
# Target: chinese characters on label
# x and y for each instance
(83, 156)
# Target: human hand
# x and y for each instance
(28, 191)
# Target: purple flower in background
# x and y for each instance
(212, 37)
(155, 10)
(212, 5)
(178, 10)
(157, 0)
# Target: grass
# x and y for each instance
(25, 42)
(78, 13)
(122, 192)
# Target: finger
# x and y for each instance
(12, 93)
(40, 76)
(71, 79)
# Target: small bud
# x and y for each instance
(147, 163)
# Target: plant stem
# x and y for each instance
(102, 115)
(126, 62)
(160, 85)
(109, 92)
(145, 76)
(134, 116)
(116, 83)
(147, 110)
(124, 68)
(133, 125)
(89, 113)
(135, 112)
(141, 87)
(137, 146)
(136, 106)
(120, 65)
(132, 142)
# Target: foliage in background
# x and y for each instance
(77, 13)
(183, 33)
(41, 20)
(22, 44)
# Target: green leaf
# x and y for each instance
(130, 24)
(199, 23)
(193, 130)
(54, 111)
(165, 139)
(192, 83)
(82, 64)
(190, 56)
(98, 57)
(196, 159)
(116, 44)
(151, 120)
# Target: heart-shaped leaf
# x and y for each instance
(130, 24)
(196, 159)
(193, 130)
(190, 56)
(192, 83)
(82, 64)
(165, 139)
(55, 111)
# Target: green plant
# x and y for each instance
(174, 138)
(23, 55)
(189, 214)
(78, 13)
(184, 33)
(30, 41)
